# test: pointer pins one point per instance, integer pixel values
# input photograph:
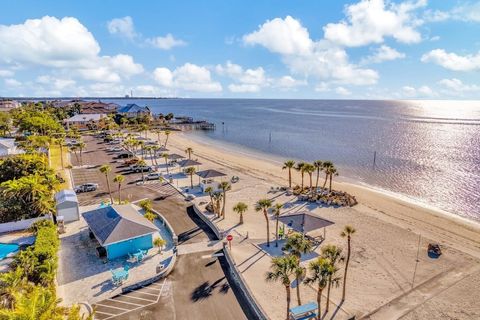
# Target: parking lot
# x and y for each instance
(197, 287)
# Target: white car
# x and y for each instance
(154, 176)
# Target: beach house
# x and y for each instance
(120, 230)
(133, 110)
(85, 121)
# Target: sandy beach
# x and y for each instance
(390, 275)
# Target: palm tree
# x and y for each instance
(240, 208)
(105, 169)
(282, 268)
(264, 205)
(334, 254)
(60, 141)
(158, 132)
(74, 150)
(189, 151)
(11, 282)
(167, 134)
(297, 245)
(142, 164)
(217, 199)
(309, 169)
(209, 190)
(190, 171)
(276, 212)
(160, 243)
(319, 273)
(318, 164)
(165, 156)
(224, 186)
(326, 167)
(81, 146)
(289, 164)
(119, 179)
(348, 231)
(300, 169)
(299, 276)
(333, 172)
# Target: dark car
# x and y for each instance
(141, 168)
(86, 187)
(124, 155)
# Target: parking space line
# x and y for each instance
(150, 294)
(108, 314)
(139, 298)
(120, 301)
(107, 306)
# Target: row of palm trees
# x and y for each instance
(322, 272)
(218, 199)
(318, 166)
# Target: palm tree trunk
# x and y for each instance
(330, 189)
(325, 183)
(109, 191)
(318, 176)
(311, 184)
(119, 195)
(302, 181)
(143, 177)
(319, 302)
(191, 180)
(288, 301)
(328, 293)
(268, 227)
(346, 269)
(61, 155)
(166, 164)
(299, 300)
(224, 203)
(241, 218)
(276, 232)
(289, 177)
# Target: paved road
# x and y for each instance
(197, 287)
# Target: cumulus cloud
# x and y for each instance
(55, 82)
(453, 61)
(468, 12)
(189, 77)
(342, 91)
(456, 86)
(370, 21)
(6, 73)
(167, 42)
(383, 53)
(123, 27)
(305, 57)
(10, 82)
(420, 92)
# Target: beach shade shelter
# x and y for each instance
(207, 179)
(66, 203)
(188, 163)
(120, 229)
(174, 157)
(304, 222)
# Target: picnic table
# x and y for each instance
(119, 275)
(303, 312)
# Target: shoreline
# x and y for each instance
(472, 224)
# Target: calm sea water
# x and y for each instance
(426, 150)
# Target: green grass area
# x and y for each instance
(56, 164)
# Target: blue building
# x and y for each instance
(133, 110)
(120, 229)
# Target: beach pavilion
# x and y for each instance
(305, 222)
(208, 179)
(120, 230)
(174, 157)
(188, 163)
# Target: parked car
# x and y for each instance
(86, 187)
(141, 168)
(124, 155)
(154, 176)
(129, 162)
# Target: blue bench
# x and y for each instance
(303, 312)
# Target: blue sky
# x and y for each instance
(368, 49)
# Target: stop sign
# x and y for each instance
(229, 237)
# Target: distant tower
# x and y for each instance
(131, 93)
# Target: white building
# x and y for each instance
(83, 121)
(8, 147)
(67, 205)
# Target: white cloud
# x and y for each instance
(370, 21)
(189, 77)
(167, 42)
(123, 27)
(468, 12)
(10, 82)
(287, 82)
(322, 87)
(420, 92)
(383, 53)
(56, 83)
(6, 73)
(342, 91)
(453, 61)
(285, 36)
(304, 57)
(249, 80)
(243, 88)
(456, 86)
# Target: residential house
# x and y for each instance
(133, 110)
(86, 121)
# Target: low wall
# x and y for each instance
(19, 225)
(254, 310)
(153, 279)
(210, 224)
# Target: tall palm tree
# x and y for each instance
(165, 157)
(189, 151)
(300, 168)
(240, 208)
(190, 171)
(224, 186)
(281, 269)
(263, 205)
(167, 134)
(142, 164)
(209, 190)
(297, 245)
(334, 254)
(348, 231)
(81, 147)
(74, 150)
(309, 169)
(119, 180)
(158, 132)
(217, 199)
(289, 164)
(318, 164)
(105, 169)
(327, 165)
(300, 272)
(319, 273)
(60, 142)
(276, 211)
(333, 172)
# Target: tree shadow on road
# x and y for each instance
(202, 292)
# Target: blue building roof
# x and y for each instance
(117, 223)
(132, 107)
